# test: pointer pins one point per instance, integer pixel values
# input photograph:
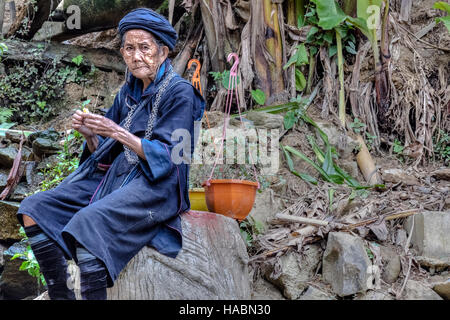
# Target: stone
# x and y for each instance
(401, 237)
(3, 178)
(265, 207)
(265, 120)
(264, 290)
(374, 295)
(442, 288)
(2, 260)
(295, 271)
(399, 175)
(47, 162)
(213, 264)
(431, 236)
(312, 293)
(14, 283)
(20, 192)
(344, 142)
(49, 134)
(415, 290)
(44, 147)
(14, 136)
(350, 167)
(8, 154)
(43, 296)
(392, 264)
(442, 173)
(8, 221)
(345, 264)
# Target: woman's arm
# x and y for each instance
(106, 127)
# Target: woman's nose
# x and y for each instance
(137, 55)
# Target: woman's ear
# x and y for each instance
(164, 53)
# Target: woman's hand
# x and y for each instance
(77, 124)
(108, 128)
(101, 125)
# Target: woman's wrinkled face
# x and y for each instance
(142, 55)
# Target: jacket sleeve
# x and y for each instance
(176, 114)
(113, 113)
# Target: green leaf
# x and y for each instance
(17, 255)
(303, 176)
(24, 265)
(289, 120)
(311, 33)
(302, 55)
(308, 178)
(292, 60)
(329, 13)
(445, 21)
(328, 37)
(332, 51)
(259, 96)
(78, 60)
(361, 24)
(328, 167)
(301, 21)
(442, 5)
(300, 81)
(313, 51)
(309, 161)
(364, 9)
(226, 80)
(331, 192)
(350, 49)
(3, 48)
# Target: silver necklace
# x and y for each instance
(130, 155)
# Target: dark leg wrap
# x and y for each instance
(52, 263)
(92, 275)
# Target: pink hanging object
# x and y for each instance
(232, 88)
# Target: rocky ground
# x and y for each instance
(390, 243)
(401, 258)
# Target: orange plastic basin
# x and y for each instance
(231, 198)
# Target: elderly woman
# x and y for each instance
(127, 192)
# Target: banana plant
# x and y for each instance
(369, 17)
(331, 17)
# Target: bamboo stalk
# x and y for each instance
(26, 133)
(314, 222)
(393, 216)
(366, 163)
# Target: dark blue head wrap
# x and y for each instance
(152, 22)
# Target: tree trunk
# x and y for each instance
(101, 58)
(350, 7)
(94, 16)
(35, 18)
(210, 17)
(267, 48)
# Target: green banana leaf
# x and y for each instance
(329, 13)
